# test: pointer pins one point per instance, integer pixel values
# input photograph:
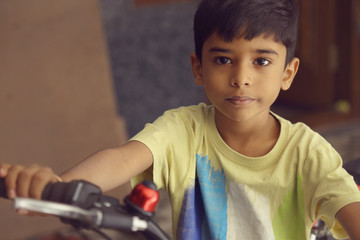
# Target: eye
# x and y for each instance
(222, 60)
(262, 62)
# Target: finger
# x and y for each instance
(24, 180)
(40, 179)
(11, 180)
(30, 213)
(4, 169)
(23, 211)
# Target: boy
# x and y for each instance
(233, 170)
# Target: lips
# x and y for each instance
(240, 101)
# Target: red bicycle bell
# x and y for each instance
(143, 198)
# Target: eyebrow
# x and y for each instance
(218, 49)
(225, 50)
(268, 51)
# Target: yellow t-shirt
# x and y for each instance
(217, 193)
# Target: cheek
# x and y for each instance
(210, 89)
(214, 92)
(272, 89)
(214, 82)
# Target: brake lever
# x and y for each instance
(92, 217)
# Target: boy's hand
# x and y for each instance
(23, 181)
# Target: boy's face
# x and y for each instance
(242, 78)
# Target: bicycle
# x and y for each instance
(84, 206)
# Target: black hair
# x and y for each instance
(247, 18)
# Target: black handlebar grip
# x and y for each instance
(54, 192)
(78, 193)
(3, 192)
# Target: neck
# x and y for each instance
(253, 138)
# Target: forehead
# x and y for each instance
(256, 44)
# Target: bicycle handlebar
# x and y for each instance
(83, 205)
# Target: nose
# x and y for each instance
(241, 77)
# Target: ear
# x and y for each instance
(289, 73)
(197, 70)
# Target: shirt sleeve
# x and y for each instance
(170, 139)
(328, 186)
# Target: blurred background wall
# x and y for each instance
(78, 76)
(149, 44)
(57, 102)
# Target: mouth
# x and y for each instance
(240, 101)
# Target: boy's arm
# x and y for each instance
(107, 169)
(349, 218)
(110, 168)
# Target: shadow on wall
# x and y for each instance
(150, 49)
